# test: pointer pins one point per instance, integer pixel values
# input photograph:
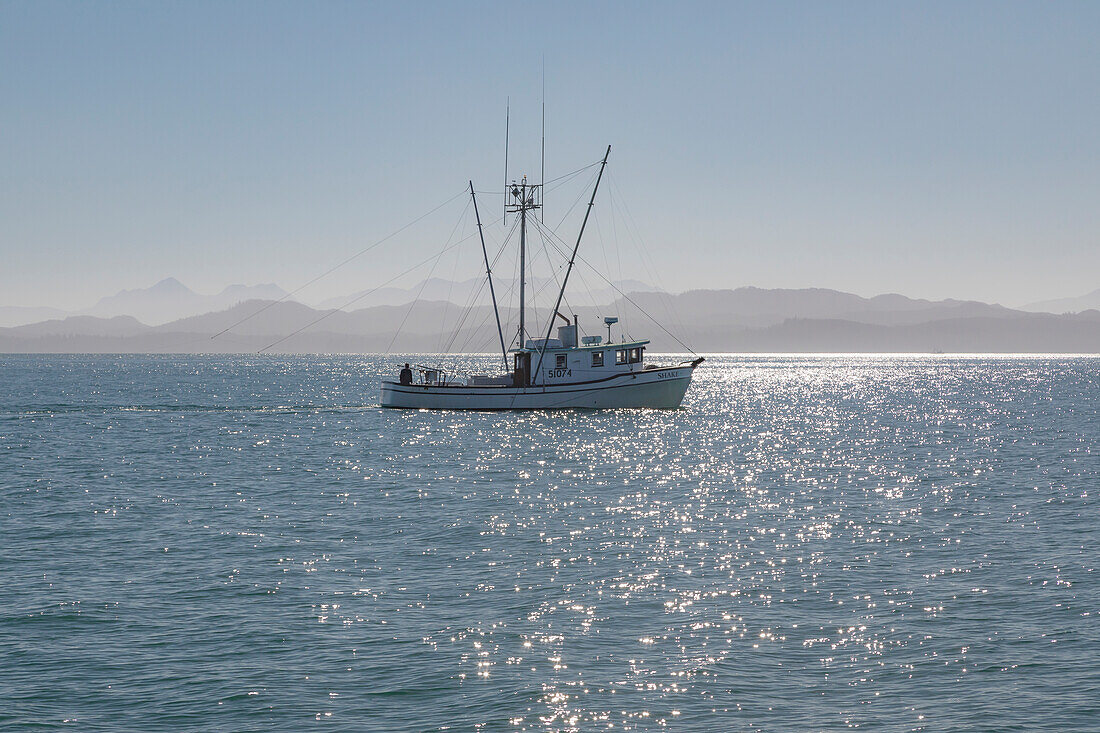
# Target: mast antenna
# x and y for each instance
(542, 213)
(507, 123)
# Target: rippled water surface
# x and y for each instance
(246, 543)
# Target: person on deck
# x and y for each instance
(406, 375)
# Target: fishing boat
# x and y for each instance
(553, 371)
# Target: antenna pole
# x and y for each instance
(542, 214)
(573, 257)
(507, 124)
(489, 275)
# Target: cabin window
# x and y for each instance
(635, 356)
(559, 361)
(597, 358)
(620, 356)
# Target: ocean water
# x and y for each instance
(810, 543)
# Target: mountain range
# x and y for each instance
(167, 300)
(466, 291)
(1089, 301)
(744, 320)
(170, 300)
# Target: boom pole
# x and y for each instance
(573, 257)
(489, 275)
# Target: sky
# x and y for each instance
(936, 149)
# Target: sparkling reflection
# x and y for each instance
(811, 543)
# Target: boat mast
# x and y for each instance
(522, 265)
(489, 275)
(525, 196)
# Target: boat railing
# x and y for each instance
(430, 375)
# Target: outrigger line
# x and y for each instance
(526, 199)
(613, 286)
(333, 269)
(364, 294)
(378, 243)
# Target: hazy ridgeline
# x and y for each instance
(742, 320)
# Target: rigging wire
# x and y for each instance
(615, 232)
(618, 250)
(336, 267)
(366, 293)
(471, 298)
(424, 284)
(614, 306)
(485, 319)
(646, 257)
(580, 197)
(627, 297)
(559, 181)
(545, 282)
(542, 231)
(553, 272)
(511, 289)
(552, 184)
(561, 178)
(449, 348)
(474, 296)
(447, 300)
(577, 200)
(467, 310)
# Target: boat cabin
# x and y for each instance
(565, 361)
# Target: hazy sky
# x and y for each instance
(933, 149)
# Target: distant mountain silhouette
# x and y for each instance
(170, 299)
(1089, 301)
(18, 315)
(462, 292)
(84, 326)
(742, 320)
(756, 307)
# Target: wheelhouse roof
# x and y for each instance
(584, 347)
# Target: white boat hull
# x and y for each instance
(649, 388)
